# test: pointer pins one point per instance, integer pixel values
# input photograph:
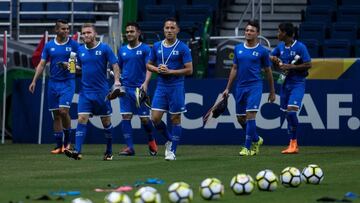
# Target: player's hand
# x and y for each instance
(163, 69)
(276, 61)
(144, 87)
(32, 87)
(63, 64)
(272, 97)
(285, 67)
(225, 93)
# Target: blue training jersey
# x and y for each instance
(250, 61)
(56, 52)
(132, 62)
(93, 64)
(174, 56)
(287, 55)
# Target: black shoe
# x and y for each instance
(108, 157)
(73, 154)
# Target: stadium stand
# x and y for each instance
(319, 14)
(313, 30)
(349, 13)
(357, 48)
(58, 6)
(336, 48)
(344, 30)
(350, 2)
(312, 46)
(5, 16)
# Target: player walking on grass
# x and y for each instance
(171, 59)
(292, 57)
(249, 58)
(135, 77)
(61, 86)
(93, 58)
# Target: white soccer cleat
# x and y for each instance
(167, 148)
(170, 156)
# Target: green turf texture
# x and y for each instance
(30, 170)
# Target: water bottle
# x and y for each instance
(72, 62)
(282, 76)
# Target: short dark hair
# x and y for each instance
(89, 25)
(172, 19)
(62, 21)
(134, 24)
(289, 29)
(254, 23)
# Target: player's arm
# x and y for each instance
(270, 79)
(231, 80)
(145, 85)
(116, 70)
(150, 66)
(187, 70)
(39, 69)
(299, 67)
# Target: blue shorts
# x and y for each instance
(247, 99)
(60, 94)
(169, 98)
(291, 95)
(128, 104)
(94, 103)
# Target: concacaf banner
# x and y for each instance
(329, 115)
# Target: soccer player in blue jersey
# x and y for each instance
(249, 58)
(93, 58)
(171, 59)
(132, 62)
(61, 86)
(293, 58)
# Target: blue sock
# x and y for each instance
(108, 132)
(176, 135)
(80, 136)
(59, 139)
(293, 123)
(66, 137)
(161, 128)
(127, 133)
(149, 129)
(250, 132)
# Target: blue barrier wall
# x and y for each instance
(329, 116)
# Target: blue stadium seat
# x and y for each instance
(313, 47)
(156, 26)
(344, 30)
(332, 3)
(58, 6)
(89, 7)
(184, 36)
(4, 6)
(350, 2)
(196, 13)
(141, 4)
(337, 48)
(213, 3)
(357, 48)
(191, 26)
(349, 14)
(150, 38)
(309, 30)
(319, 14)
(32, 7)
(177, 3)
(158, 13)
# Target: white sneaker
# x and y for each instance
(170, 156)
(168, 148)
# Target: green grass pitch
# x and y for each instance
(30, 170)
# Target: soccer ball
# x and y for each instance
(147, 195)
(242, 184)
(180, 192)
(81, 200)
(211, 188)
(312, 174)
(290, 177)
(117, 197)
(267, 180)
